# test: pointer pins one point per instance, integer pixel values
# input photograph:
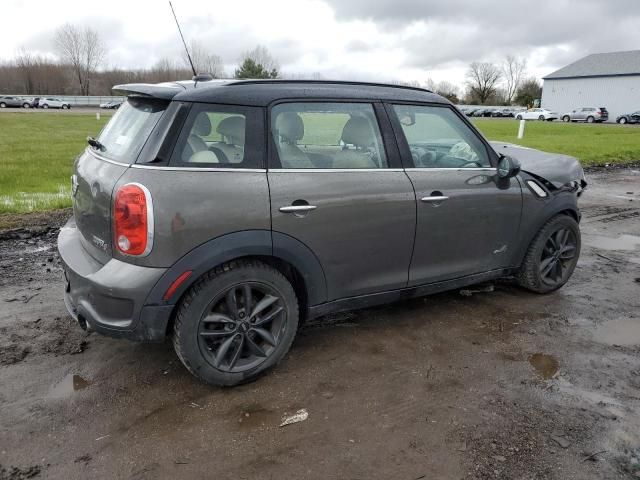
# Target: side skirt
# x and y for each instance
(373, 299)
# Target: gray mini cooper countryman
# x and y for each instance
(223, 214)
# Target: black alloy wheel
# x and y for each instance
(558, 256)
(242, 326)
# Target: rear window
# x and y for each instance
(127, 131)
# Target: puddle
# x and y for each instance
(623, 242)
(546, 365)
(69, 384)
(624, 331)
(255, 416)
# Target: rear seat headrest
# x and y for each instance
(290, 126)
(233, 128)
(202, 125)
(357, 131)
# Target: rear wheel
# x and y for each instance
(519, 117)
(235, 323)
(590, 119)
(26, 105)
(45, 106)
(64, 107)
(541, 117)
(3, 105)
(552, 256)
(566, 118)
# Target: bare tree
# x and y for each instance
(204, 61)
(262, 57)
(83, 49)
(27, 65)
(513, 71)
(448, 90)
(482, 79)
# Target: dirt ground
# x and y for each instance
(490, 384)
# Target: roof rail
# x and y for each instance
(326, 82)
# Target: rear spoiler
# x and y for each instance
(164, 91)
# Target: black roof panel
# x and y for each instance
(263, 92)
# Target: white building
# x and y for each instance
(610, 80)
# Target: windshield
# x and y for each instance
(125, 134)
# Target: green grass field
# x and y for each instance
(36, 154)
(37, 151)
(591, 144)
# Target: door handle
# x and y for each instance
(297, 208)
(434, 199)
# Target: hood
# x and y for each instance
(556, 168)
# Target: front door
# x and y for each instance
(335, 188)
(467, 220)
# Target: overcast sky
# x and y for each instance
(342, 39)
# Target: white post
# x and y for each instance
(98, 118)
(521, 129)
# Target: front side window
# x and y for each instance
(219, 136)
(127, 131)
(438, 138)
(327, 135)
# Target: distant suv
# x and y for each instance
(224, 214)
(587, 114)
(50, 102)
(19, 102)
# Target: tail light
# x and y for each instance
(133, 220)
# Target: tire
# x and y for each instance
(566, 118)
(590, 119)
(622, 121)
(3, 105)
(45, 106)
(530, 274)
(64, 107)
(541, 117)
(207, 304)
(26, 105)
(519, 117)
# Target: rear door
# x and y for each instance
(337, 189)
(467, 219)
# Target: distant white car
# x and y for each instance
(52, 102)
(111, 105)
(537, 114)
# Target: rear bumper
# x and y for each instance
(109, 298)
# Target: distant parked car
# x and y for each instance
(111, 105)
(35, 102)
(51, 102)
(629, 117)
(537, 114)
(587, 114)
(10, 101)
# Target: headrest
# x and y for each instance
(232, 128)
(289, 126)
(202, 125)
(357, 131)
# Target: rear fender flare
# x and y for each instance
(248, 243)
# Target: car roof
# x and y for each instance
(264, 92)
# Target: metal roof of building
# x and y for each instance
(601, 65)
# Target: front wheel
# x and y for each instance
(622, 121)
(26, 105)
(45, 106)
(519, 117)
(3, 105)
(566, 118)
(64, 107)
(235, 323)
(541, 117)
(552, 256)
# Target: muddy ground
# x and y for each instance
(500, 383)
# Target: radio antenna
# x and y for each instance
(193, 69)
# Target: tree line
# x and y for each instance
(79, 69)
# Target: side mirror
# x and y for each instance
(508, 167)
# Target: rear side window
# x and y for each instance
(327, 135)
(220, 136)
(127, 131)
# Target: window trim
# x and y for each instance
(254, 139)
(403, 145)
(384, 126)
